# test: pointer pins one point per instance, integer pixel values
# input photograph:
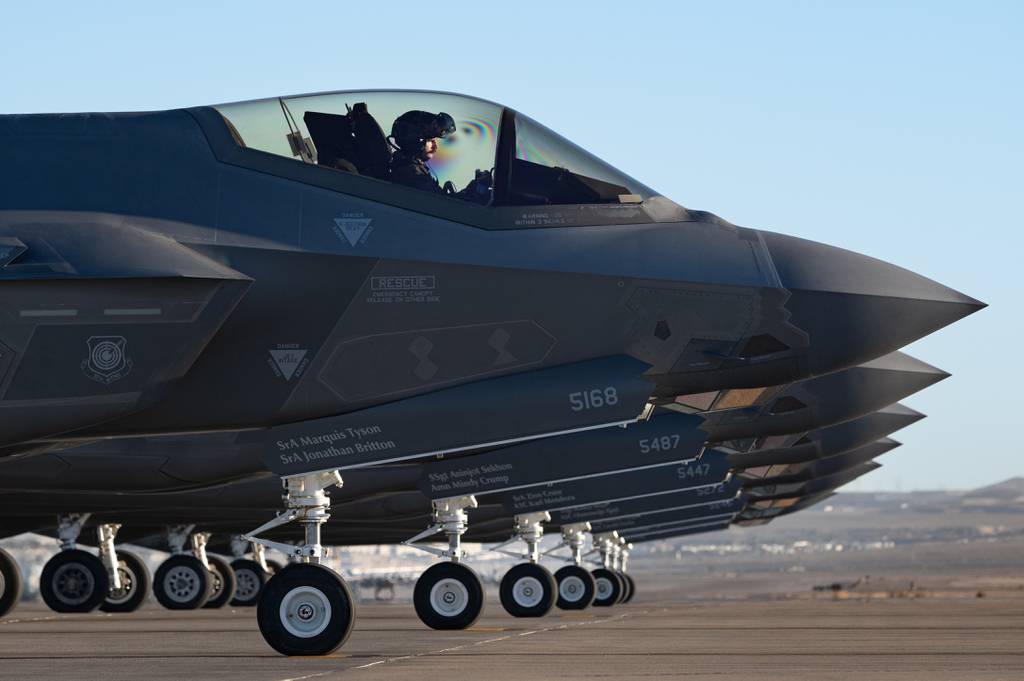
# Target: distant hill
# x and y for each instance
(1007, 490)
(1008, 493)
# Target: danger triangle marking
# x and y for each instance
(287, 361)
(352, 228)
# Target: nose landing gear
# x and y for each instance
(610, 586)
(528, 589)
(448, 595)
(576, 586)
(623, 557)
(306, 608)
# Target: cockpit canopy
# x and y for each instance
(494, 157)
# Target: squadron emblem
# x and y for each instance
(353, 228)
(106, 362)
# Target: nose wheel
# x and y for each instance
(10, 583)
(306, 609)
(528, 590)
(448, 596)
(609, 587)
(134, 585)
(626, 588)
(576, 587)
(632, 588)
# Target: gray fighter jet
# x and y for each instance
(284, 266)
(171, 463)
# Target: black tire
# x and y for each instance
(74, 581)
(135, 585)
(627, 589)
(632, 588)
(182, 582)
(306, 609)
(576, 587)
(448, 596)
(224, 584)
(250, 579)
(528, 590)
(609, 588)
(11, 584)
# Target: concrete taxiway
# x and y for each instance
(819, 639)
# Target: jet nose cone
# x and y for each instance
(855, 307)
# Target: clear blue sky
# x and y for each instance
(891, 128)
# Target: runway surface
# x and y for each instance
(813, 639)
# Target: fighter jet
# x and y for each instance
(284, 266)
(171, 463)
(592, 455)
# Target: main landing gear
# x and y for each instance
(77, 581)
(305, 608)
(224, 583)
(10, 583)
(129, 576)
(185, 581)
(448, 595)
(528, 589)
(250, 575)
(576, 586)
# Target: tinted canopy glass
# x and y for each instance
(352, 132)
(462, 149)
(550, 170)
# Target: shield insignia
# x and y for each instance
(107, 360)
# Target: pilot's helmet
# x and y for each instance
(413, 128)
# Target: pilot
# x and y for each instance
(415, 133)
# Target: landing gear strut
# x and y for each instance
(129, 576)
(528, 589)
(576, 586)
(448, 595)
(306, 608)
(74, 580)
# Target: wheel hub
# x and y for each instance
(127, 586)
(218, 583)
(571, 589)
(305, 611)
(247, 585)
(73, 583)
(604, 588)
(528, 592)
(449, 597)
(181, 584)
